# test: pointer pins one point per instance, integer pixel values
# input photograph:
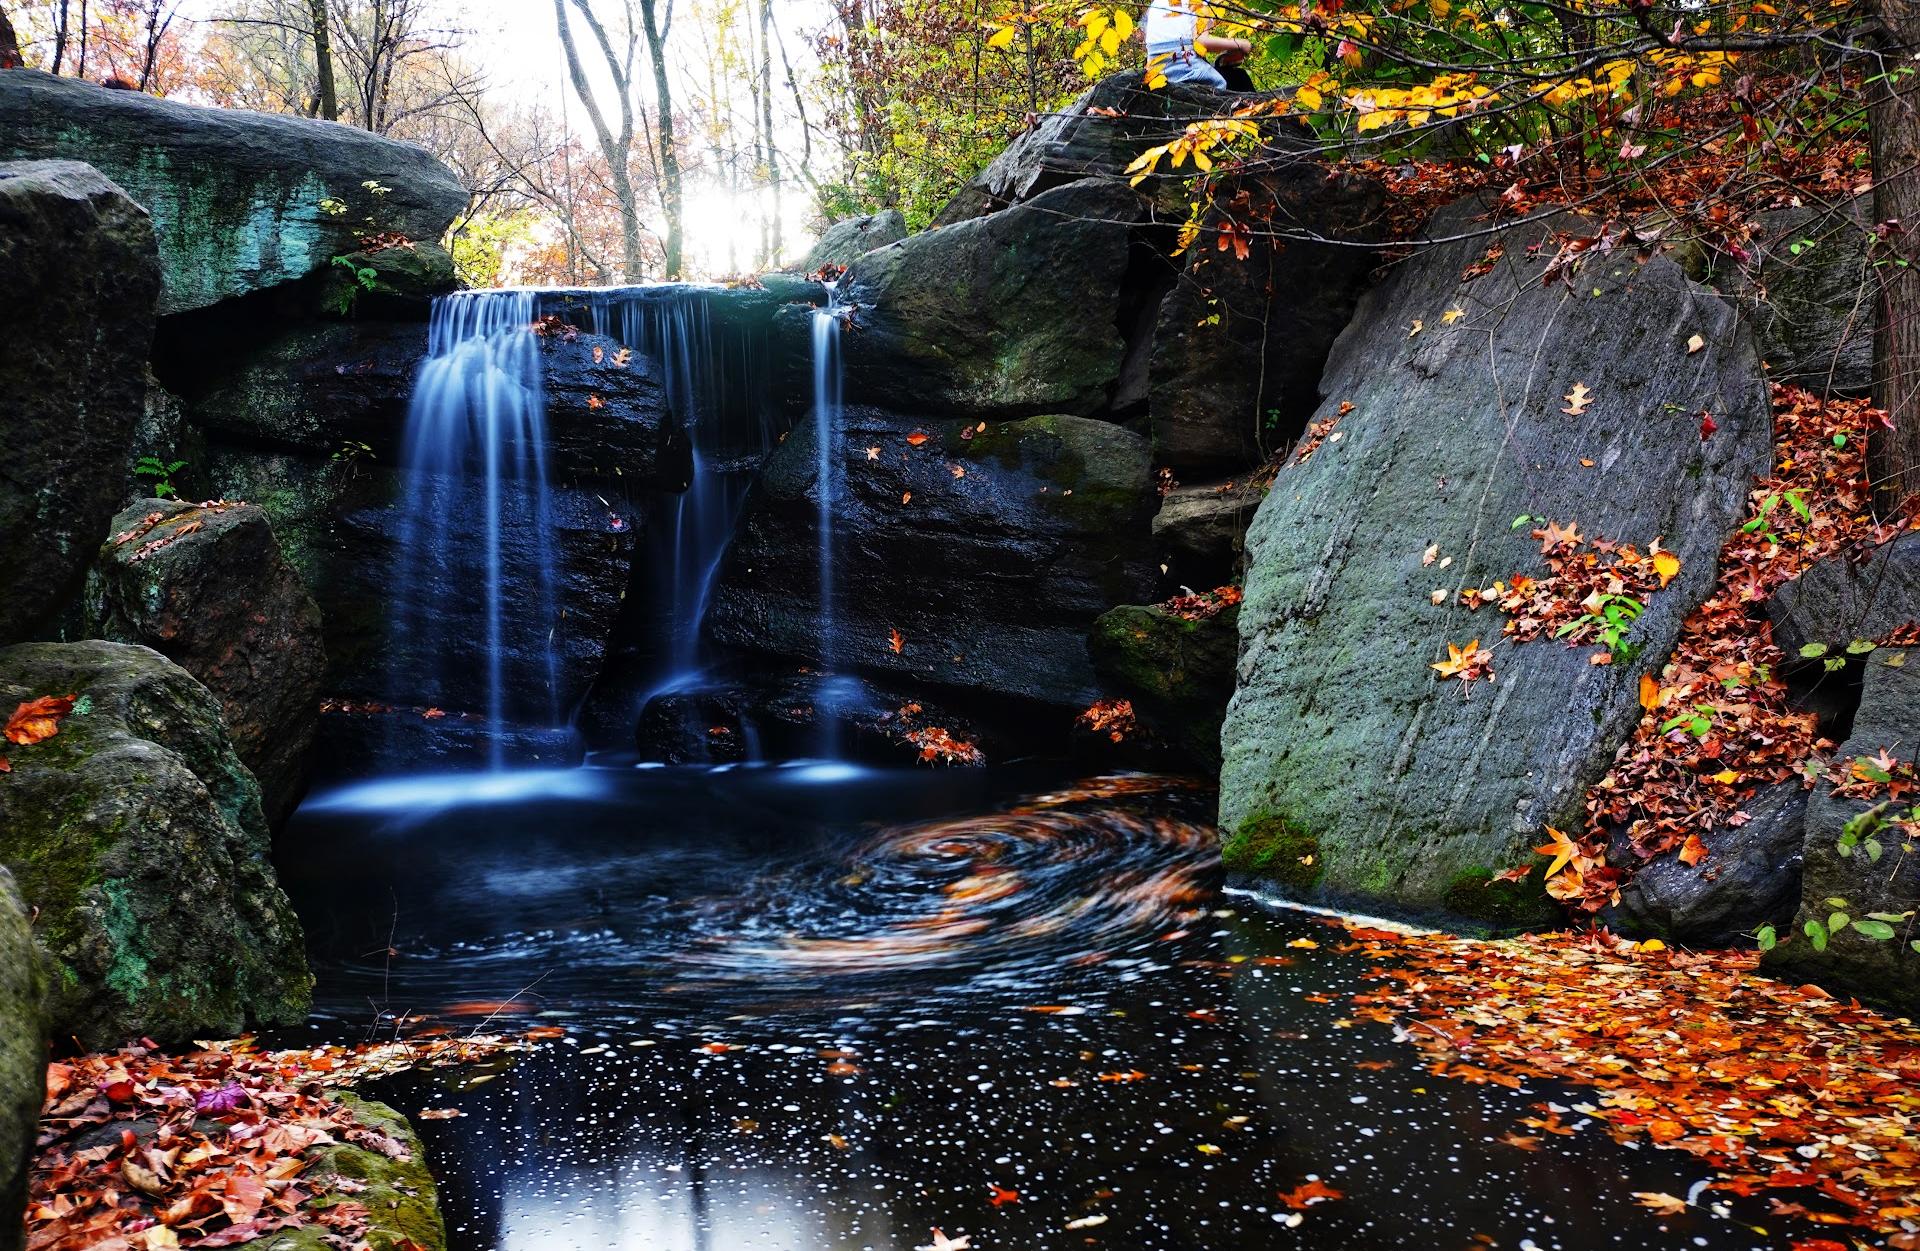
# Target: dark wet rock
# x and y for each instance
(371, 740)
(1414, 790)
(136, 832)
(1841, 600)
(325, 387)
(208, 589)
(1178, 672)
(1811, 296)
(77, 265)
(801, 715)
(1750, 878)
(399, 281)
(339, 523)
(847, 241)
(1200, 531)
(23, 1057)
(1097, 136)
(1858, 882)
(1240, 340)
(1008, 315)
(239, 200)
(992, 579)
(162, 435)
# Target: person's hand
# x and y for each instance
(1235, 54)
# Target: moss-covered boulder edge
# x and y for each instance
(136, 834)
(398, 1192)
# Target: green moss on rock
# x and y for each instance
(137, 834)
(1270, 846)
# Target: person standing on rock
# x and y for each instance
(1177, 41)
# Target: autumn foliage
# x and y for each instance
(1781, 1091)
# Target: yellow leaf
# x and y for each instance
(1667, 565)
(1726, 777)
(1452, 315)
(1562, 849)
(1002, 38)
(1652, 944)
(1649, 692)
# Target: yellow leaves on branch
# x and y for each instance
(1106, 30)
(1198, 143)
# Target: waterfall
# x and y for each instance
(476, 609)
(828, 385)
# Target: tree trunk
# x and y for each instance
(323, 58)
(1894, 119)
(670, 196)
(59, 39)
(776, 246)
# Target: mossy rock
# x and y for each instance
(1269, 846)
(23, 1056)
(391, 281)
(137, 834)
(1178, 672)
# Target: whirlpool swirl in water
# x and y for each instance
(1071, 876)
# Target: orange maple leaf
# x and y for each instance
(1693, 851)
(36, 720)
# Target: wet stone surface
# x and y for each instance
(818, 1007)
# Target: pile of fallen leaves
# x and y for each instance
(1717, 725)
(1113, 718)
(936, 744)
(139, 1149)
(1781, 1090)
(1202, 605)
(1591, 585)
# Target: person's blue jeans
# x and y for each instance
(1188, 66)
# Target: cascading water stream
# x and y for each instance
(828, 388)
(475, 450)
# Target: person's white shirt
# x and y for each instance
(1171, 22)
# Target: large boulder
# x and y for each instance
(1177, 669)
(845, 242)
(1005, 316)
(136, 833)
(240, 201)
(1345, 754)
(332, 387)
(1750, 879)
(1279, 263)
(1842, 600)
(986, 582)
(1857, 862)
(207, 587)
(77, 264)
(23, 1057)
(1810, 295)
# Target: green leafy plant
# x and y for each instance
(159, 475)
(1612, 618)
(342, 296)
(1761, 522)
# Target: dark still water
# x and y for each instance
(823, 1009)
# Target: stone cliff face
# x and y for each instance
(240, 201)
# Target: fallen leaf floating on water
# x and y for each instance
(1578, 400)
(442, 1114)
(1309, 1193)
(1088, 1222)
(1665, 1204)
(999, 1195)
(943, 1243)
(37, 720)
